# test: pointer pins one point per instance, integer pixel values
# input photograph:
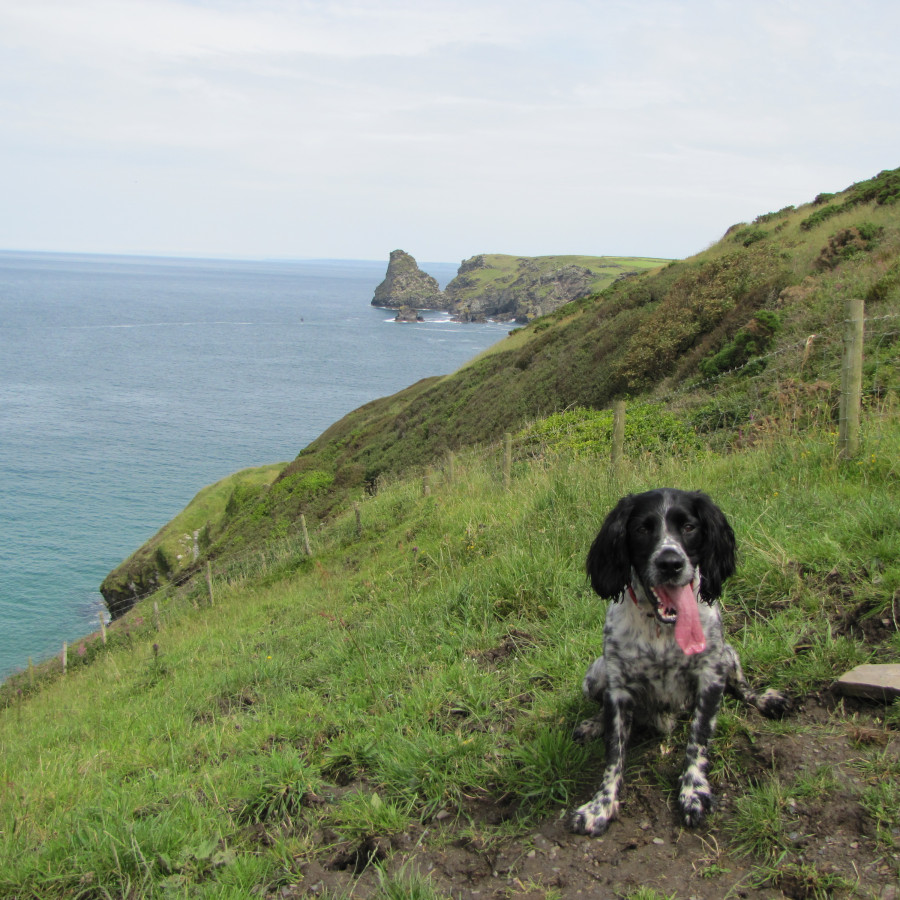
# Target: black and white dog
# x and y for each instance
(657, 554)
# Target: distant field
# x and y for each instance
(504, 269)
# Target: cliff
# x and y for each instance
(406, 285)
(496, 286)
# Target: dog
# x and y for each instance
(657, 554)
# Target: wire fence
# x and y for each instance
(800, 390)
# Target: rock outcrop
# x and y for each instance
(406, 285)
(496, 287)
(408, 314)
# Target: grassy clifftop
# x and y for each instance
(753, 298)
(524, 288)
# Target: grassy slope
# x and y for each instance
(642, 336)
(195, 757)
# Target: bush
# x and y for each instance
(820, 216)
(752, 340)
(847, 242)
(588, 432)
(884, 287)
(768, 217)
(750, 235)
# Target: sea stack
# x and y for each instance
(405, 284)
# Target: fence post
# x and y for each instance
(156, 615)
(426, 482)
(617, 451)
(209, 582)
(507, 459)
(305, 535)
(102, 626)
(65, 656)
(451, 467)
(358, 514)
(851, 380)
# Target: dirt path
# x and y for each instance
(832, 845)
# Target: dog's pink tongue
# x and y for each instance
(688, 631)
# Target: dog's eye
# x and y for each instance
(687, 528)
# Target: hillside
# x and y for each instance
(759, 292)
(388, 713)
(391, 717)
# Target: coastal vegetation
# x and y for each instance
(389, 711)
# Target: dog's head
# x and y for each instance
(668, 541)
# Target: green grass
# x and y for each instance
(432, 663)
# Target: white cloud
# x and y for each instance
(336, 128)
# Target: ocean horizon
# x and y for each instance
(129, 383)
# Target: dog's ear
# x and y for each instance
(717, 558)
(608, 564)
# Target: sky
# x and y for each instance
(349, 128)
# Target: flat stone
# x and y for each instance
(878, 682)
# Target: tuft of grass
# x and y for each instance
(285, 785)
(758, 825)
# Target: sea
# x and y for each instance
(127, 384)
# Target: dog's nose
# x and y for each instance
(669, 564)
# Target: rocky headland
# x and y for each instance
(497, 286)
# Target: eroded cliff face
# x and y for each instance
(522, 290)
(406, 285)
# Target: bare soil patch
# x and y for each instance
(832, 846)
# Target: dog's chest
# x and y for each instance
(644, 659)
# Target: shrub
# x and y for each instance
(588, 432)
(749, 235)
(752, 340)
(884, 188)
(768, 217)
(884, 287)
(820, 216)
(847, 242)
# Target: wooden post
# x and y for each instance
(507, 459)
(617, 452)
(209, 586)
(102, 626)
(305, 535)
(851, 380)
(358, 514)
(65, 656)
(156, 615)
(451, 466)
(426, 482)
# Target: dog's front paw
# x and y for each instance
(588, 730)
(593, 818)
(773, 704)
(695, 800)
